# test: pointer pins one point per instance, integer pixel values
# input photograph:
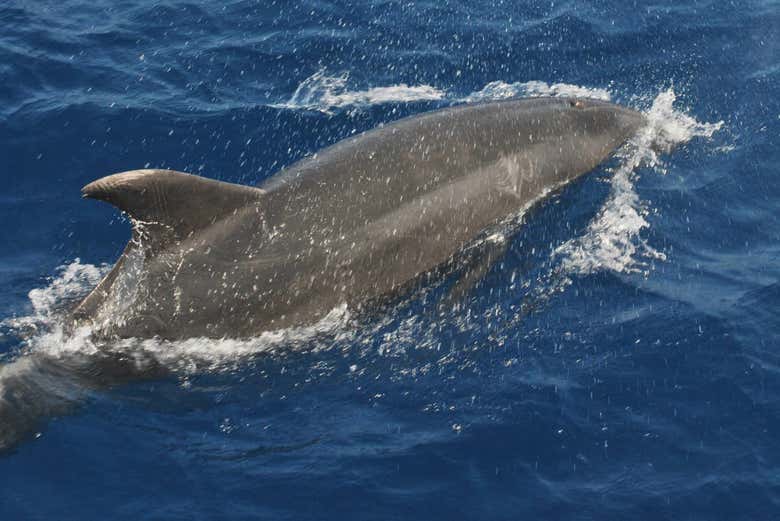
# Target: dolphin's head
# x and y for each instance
(571, 136)
(599, 126)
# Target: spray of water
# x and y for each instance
(325, 93)
(613, 239)
(328, 93)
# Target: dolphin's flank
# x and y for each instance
(350, 224)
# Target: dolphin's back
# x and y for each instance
(406, 159)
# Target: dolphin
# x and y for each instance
(351, 224)
(355, 223)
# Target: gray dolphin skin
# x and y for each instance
(350, 224)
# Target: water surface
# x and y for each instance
(620, 363)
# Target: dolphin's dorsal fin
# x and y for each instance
(182, 203)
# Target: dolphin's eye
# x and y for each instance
(577, 104)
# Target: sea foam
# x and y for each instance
(328, 93)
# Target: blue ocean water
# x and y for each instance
(619, 363)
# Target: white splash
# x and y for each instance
(324, 93)
(198, 354)
(496, 90)
(612, 240)
(44, 326)
(72, 281)
(43, 331)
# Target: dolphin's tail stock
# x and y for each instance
(33, 387)
(37, 386)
